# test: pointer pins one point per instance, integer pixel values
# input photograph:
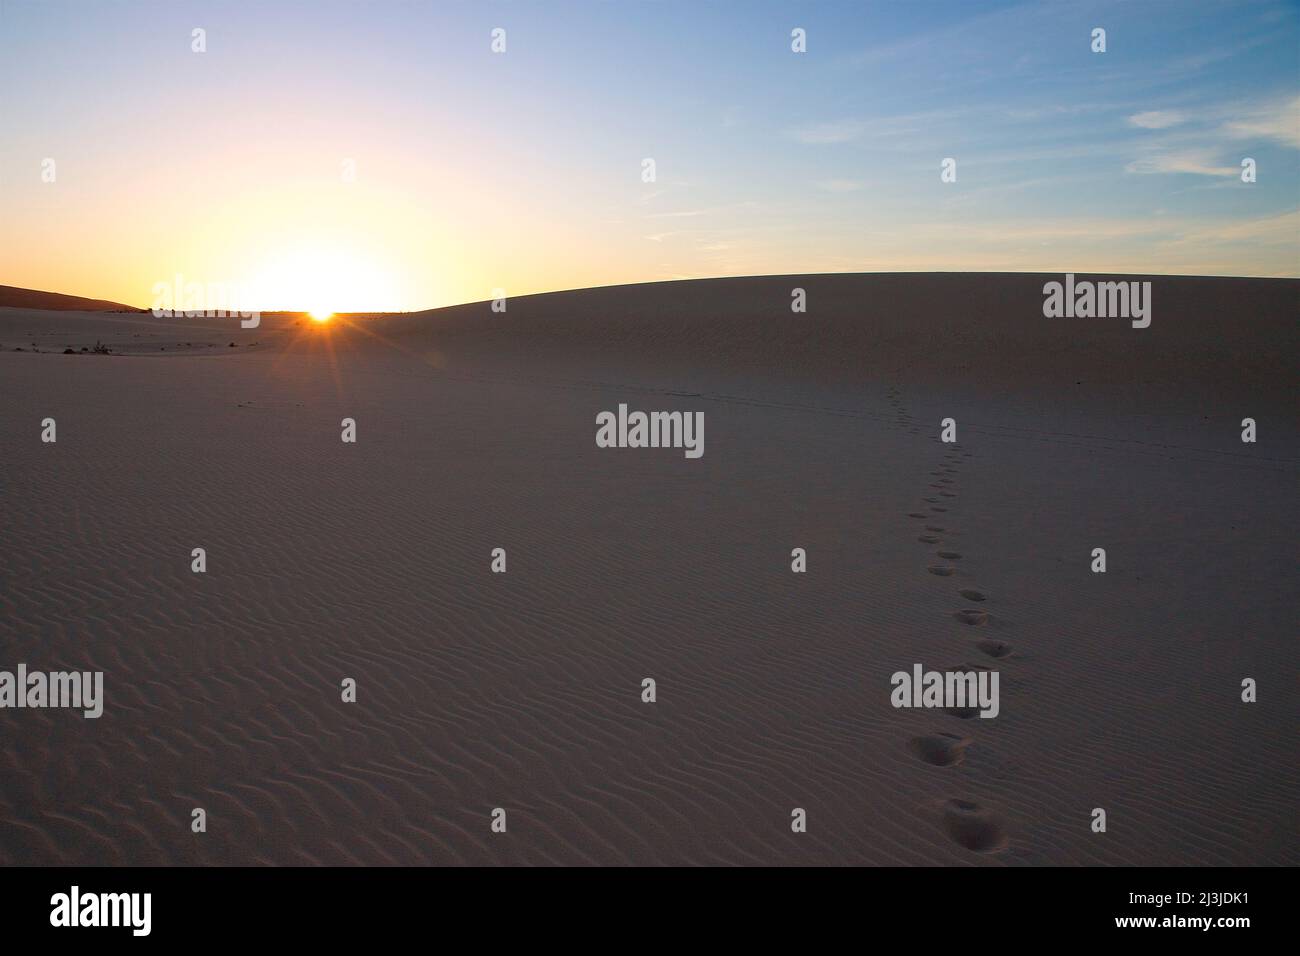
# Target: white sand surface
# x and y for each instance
(522, 690)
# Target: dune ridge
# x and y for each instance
(12, 297)
(974, 329)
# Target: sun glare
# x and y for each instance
(316, 273)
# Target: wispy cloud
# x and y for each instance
(1279, 121)
(1157, 119)
(1280, 230)
(842, 131)
(683, 214)
(840, 185)
(706, 211)
(878, 128)
(1213, 147)
(1198, 162)
(958, 33)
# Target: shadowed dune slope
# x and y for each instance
(1224, 335)
(14, 298)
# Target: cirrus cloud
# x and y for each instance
(1156, 119)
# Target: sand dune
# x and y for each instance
(522, 690)
(1229, 335)
(15, 298)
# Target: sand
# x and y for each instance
(522, 690)
(12, 297)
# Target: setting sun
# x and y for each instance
(313, 272)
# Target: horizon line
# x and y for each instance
(646, 282)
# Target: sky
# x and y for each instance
(358, 156)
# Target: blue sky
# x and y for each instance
(522, 170)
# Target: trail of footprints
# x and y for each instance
(967, 823)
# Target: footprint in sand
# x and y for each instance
(995, 648)
(929, 539)
(941, 569)
(973, 827)
(970, 594)
(971, 616)
(949, 555)
(937, 508)
(930, 499)
(941, 749)
(933, 527)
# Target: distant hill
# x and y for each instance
(1217, 337)
(15, 298)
